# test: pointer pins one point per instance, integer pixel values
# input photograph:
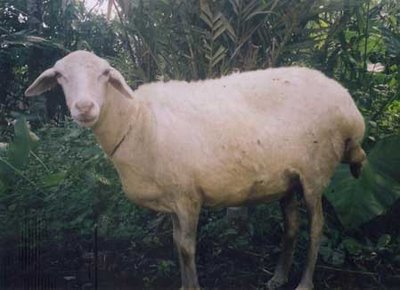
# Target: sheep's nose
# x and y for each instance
(84, 106)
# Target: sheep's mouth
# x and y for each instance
(86, 121)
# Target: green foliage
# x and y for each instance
(378, 187)
(67, 166)
(15, 155)
(363, 253)
(216, 25)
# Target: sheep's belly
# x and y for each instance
(150, 196)
(235, 201)
(257, 192)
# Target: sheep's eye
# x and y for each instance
(106, 72)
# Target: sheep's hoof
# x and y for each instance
(276, 283)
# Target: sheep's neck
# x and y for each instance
(115, 121)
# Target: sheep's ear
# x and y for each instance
(118, 82)
(46, 81)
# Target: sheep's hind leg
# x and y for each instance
(184, 233)
(313, 200)
(290, 215)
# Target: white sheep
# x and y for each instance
(248, 137)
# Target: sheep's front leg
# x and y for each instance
(316, 220)
(291, 226)
(185, 227)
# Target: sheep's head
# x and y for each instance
(84, 78)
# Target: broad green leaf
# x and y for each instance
(330, 254)
(357, 201)
(53, 179)
(17, 154)
(352, 246)
(383, 241)
(22, 144)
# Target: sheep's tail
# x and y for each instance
(354, 155)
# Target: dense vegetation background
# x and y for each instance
(62, 212)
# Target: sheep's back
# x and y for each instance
(288, 99)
